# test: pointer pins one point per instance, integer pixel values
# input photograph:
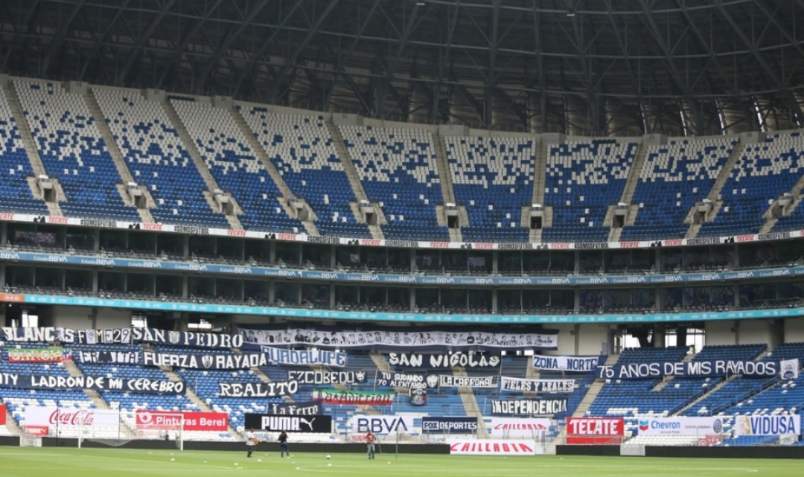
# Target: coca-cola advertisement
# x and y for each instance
(193, 421)
(56, 418)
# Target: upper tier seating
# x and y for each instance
(234, 165)
(15, 167)
(763, 172)
(493, 178)
(156, 157)
(582, 180)
(303, 151)
(72, 150)
(397, 167)
(673, 178)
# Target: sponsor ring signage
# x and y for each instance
(278, 423)
(680, 426)
(193, 421)
(767, 425)
(491, 447)
(449, 425)
(518, 427)
(382, 425)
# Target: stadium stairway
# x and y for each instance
(195, 399)
(195, 155)
(354, 181)
(12, 427)
(269, 167)
(447, 191)
(628, 194)
(470, 403)
(594, 390)
(539, 172)
(380, 362)
(117, 157)
(717, 188)
(31, 150)
(664, 382)
(771, 219)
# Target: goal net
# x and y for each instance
(32, 436)
(101, 426)
(161, 426)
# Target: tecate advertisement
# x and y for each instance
(767, 425)
(68, 418)
(518, 427)
(491, 447)
(680, 426)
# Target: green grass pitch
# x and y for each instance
(62, 462)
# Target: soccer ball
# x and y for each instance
(328, 457)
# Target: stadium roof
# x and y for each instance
(588, 67)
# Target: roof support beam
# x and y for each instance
(234, 33)
(143, 39)
(57, 43)
(787, 96)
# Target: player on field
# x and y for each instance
(283, 445)
(370, 439)
(251, 441)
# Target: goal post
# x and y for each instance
(101, 426)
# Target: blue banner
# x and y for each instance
(658, 370)
(409, 317)
(57, 259)
(449, 425)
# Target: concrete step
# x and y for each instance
(444, 172)
(200, 165)
(30, 148)
(470, 404)
(539, 173)
(717, 188)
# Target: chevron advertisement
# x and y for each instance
(382, 425)
(767, 425)
(659, 370)
(39, 355)
(680, 426)
(491, 447)
(506, 427)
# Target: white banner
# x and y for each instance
(529, 407)
(408, 339)
(71, 418)
(491, 447)
(443, 360)
(680, 426)
(450, 381)
(537, 385)
(789, 368)
(566, 363)
(767, 425)
(382, 425)
(518, 427)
